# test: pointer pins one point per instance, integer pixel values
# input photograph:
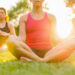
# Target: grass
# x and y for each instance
(6, 56)
(36, 68)
(8, 67)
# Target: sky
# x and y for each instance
(7, 4)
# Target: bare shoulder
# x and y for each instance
(51, 17)
(10, 25)
(23, 17)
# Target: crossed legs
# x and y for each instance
(57, 54)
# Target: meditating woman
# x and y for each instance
(6, 29)
(39, 28)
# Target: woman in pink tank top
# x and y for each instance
(38, 33)
(39, 28)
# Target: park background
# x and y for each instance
(64, 10)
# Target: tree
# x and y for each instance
(20, 7)
(71, 4)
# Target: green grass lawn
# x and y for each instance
(36, 68)
(16, 67)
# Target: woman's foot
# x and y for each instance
(22, 59)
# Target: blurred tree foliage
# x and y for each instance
(20, 7)
(70, 3)
(17, 30)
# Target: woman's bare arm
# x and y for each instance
(2, 33)
(53, 32)
(12, 30)
(22, 28)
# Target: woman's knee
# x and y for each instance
(11, 41)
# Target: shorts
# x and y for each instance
(40, 53)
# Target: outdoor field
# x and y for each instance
(9, 65)
(12, 10)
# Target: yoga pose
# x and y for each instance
(5, 28)
(39, 28)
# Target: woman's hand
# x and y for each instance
(4, 33)
(16, 37)
(19, 38)
(0, 32)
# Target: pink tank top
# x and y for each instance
(38, 33)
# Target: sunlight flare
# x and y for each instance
(63, 17)
(4, 47)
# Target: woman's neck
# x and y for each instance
(37, 10)
(2, 21)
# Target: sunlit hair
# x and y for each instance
(7, 17)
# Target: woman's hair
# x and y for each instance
(7, 17)
(3, 9)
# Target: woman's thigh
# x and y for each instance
(61, 52)
(19, 49)
(14, 46)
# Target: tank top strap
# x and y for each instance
(6, 28)
(46, 16)
(28, 16)
(6, 25)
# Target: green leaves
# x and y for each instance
(20, 7)
(70, 3)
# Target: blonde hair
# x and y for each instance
(7, 17)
